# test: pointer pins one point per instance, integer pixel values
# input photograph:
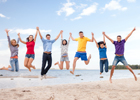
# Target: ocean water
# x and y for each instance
(62, 77)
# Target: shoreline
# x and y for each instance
(123, 89)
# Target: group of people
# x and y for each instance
(81, 52)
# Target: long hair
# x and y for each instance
(15, 41)
(64, 40)
(28, 38)
(101, 42)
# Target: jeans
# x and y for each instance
(14, 65)
(118, 59)
(46, 58)
(104, 62)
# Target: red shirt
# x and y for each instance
(30, 47)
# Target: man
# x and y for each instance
(47, 46)
(81, 51)
(119, 52)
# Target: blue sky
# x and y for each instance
(112, 16)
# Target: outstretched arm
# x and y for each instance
(62, 36)
(36, 33)
(72, 37)
(95, 42)
(104, 39)
(7, 31)
(59, 35)
(130, 34)
(108, 37)
(20, 39)
(92, 37)
(37, 28)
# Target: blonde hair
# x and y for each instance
(15, 41)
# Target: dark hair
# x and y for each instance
(28, 38)
(101, 42)
(119, 36)
(48, 35)
(81, 32)
(64, 40)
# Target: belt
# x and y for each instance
(47, 52)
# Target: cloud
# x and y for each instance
(90, 10)
(28, 31)
(67, 8)
(131, 1)
(81, 6)
(3, 16)
(3, 0)
(114, 5)
(76, 18)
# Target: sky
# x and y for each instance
(115, 17)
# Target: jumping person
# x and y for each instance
(81, 51)
(64, 53)
(102, 52)
(119, 52)
(13, 45)
(30, 54)
(47, 57)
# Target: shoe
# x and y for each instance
(41, 77)
(45, 76)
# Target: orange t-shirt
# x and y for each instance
(16, 57)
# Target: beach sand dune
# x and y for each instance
(120, 89)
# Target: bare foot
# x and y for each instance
(56, 63)
(29, 69)
(135, 78)
(72, 72)
(110, 80)
(100, 73)
(89, 56)
(9, 66)
(33, 67)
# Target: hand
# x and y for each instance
(92, 34)
(103, 33)
(18, 34)
(70, 34)
(6, 30)
(37, 28)
(61, 31)
(134, 29)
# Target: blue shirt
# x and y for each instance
(47, 44)
(102, 52)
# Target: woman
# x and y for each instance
(30, 54)
(64, 54)
(13, 45)
(102, 52)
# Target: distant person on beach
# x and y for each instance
(6, 68)
(64, 53)
(13, 45)
(30, 54)
(47, 54)
(81, 51)
(102, 52)
(119, 53)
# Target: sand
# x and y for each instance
(120, 89)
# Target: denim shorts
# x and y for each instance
(30, 56)
(82, 55)
(64, 59)
(121, 59)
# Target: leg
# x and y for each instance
(87, 62)
(101, 67)
(130, 69)
(49, 64)
(74, 64)
(30, 63)
(4, 68)
(26, 63)
(44, 60)
(60, 65)
(115, 62)
(106, 65)
(67, 65)
(16, 65)
(12, 62)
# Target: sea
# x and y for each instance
(60, 77)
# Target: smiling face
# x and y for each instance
(48, 36)
(13, 42)
(102, 45)
(119, 38)
(64, 42)
(30, 38)
(81, 34)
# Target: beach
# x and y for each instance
(120, 89)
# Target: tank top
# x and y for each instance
(30, 47)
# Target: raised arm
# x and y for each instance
(104, 39)
(92, 37)
(130, 34)
(20, 39)
(59, 35)
(108, 37)
(95, 42)
(7, 32)
(36, 33)
(62, 36)
(72, 37)
(37, 28)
